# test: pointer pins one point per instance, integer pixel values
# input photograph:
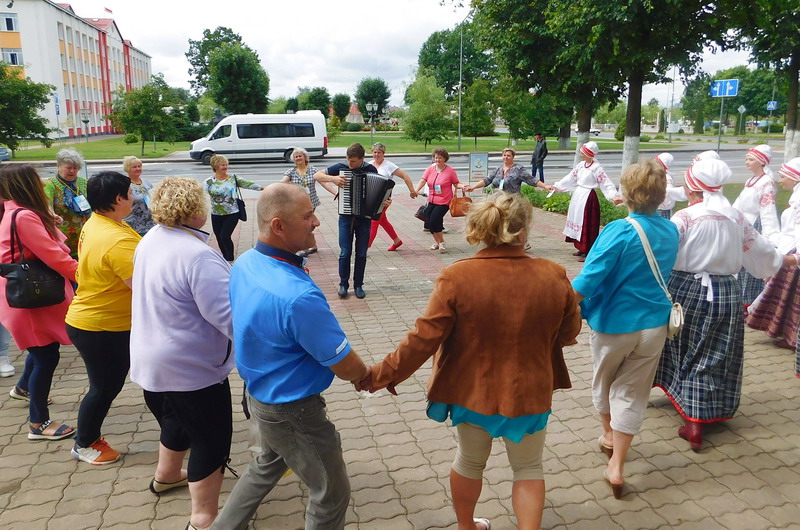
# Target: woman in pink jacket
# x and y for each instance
(40, 330)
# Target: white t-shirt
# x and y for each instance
(386, 169)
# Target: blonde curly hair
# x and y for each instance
(176, 200)
(498, 220)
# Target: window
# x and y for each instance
(12, 56)
(222, 132)
(275, 130)
(63, 62)
(60, 27)
(8, 22)
(69, 35)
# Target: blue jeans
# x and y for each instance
(540, 169)
(350, 227)
(43, 362)
(296, 435)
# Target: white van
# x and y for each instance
(243, 136)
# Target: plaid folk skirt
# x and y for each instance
(701, 368)
(777, 311)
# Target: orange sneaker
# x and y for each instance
(97, 454)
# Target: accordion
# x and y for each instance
(363, 194)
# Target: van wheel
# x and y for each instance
(206, 158)
(287, 156)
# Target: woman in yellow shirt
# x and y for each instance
(99, 318)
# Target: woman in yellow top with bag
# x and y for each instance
(99, 318)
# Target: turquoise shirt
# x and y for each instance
(621, 295)
(497, 425)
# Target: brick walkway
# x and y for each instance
(747, 476)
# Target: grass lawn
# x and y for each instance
(113, 148)
(397, 143)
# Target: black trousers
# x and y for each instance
(107, 357)
(223, 226)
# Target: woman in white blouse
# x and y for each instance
(583, 216)
(389, 170)
(757, 203)
(777, 310)
(701, 368)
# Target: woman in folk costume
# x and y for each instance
(583, 216)
(757, 203)
(674, 193)
(777, 310)
(701, 368)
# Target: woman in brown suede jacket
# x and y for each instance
(495, 326)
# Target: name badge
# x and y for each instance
(82, 203)
(437, 189)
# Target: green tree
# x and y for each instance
(696, 101)
(650, 112)
(442, 55)
(427, 119)
(613, 112)
(341, 106)
(372, 90)
(526, 114)
(200, 51)
(477, 110)
(292, 105)
(193, 112)
(277, 105)
(21, 100)
(206, 105)
(771, 29)
(316, 98)
(237, 81)
(143, 112)
(662, 121)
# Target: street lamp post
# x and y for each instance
(372, 108)
(85, 120)
(460, 80)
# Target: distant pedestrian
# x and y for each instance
(289, 346)
(539, 154)
(583, 215)
(67, 194)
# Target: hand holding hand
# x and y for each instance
(365, 383)
(413, 194)
(468, 188)
(617, 201)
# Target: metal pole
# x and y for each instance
(372, 127)
(460, 81)
(719, 130)
(671, 104)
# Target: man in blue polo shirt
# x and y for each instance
(289, 346)
(350, 226)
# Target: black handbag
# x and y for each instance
(240, 201)
(422, 213)
(30, 284)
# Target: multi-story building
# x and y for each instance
(85, 59)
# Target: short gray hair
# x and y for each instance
(69, 157)
(302, 152)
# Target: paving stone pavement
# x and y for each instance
(747, 476)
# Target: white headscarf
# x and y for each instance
(707, 176)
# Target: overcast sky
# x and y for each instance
(326, 43)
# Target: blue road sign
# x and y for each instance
(55, 100)
(772, 105)
(724, 88)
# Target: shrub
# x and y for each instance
(681, 131)
(131, 138)
(189, 133)
(645, 138)
(353, 127)
(660, 137)
(773, 128)
(559, 203)
(619, 133)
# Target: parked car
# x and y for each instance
(595, 132)
(4, 154)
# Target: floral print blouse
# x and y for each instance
(73, 222)
(140, 218)
(224, 193)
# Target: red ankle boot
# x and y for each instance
(693, 433)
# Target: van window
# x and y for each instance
(222, 132)
(275, 130)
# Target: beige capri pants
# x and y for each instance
(625, 365)
(475, 445)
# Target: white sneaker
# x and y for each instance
(441, 247)
(6, 368)
(435, 246)
(97, 454)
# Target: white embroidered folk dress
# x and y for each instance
(711, 244)
(757, 200)
(674, 194)
(788, 237)
(581, 181)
